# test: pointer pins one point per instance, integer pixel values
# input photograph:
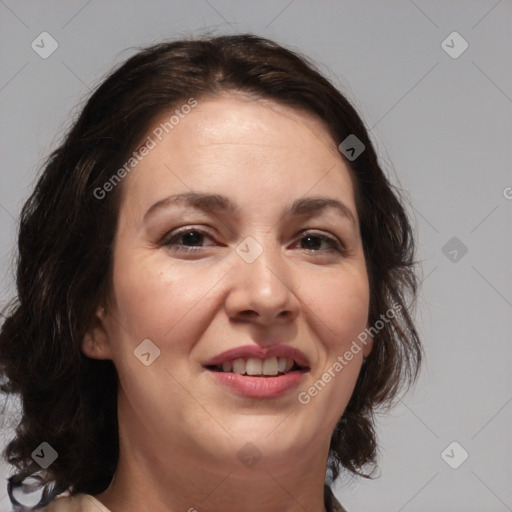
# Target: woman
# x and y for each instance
(178, 340)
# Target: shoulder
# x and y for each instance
(77, 503)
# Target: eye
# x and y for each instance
(190, 236)
(314, 240)
(191, 239)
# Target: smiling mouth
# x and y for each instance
(254, 367)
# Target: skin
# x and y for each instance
(179, 429)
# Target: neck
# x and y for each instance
(182, 479)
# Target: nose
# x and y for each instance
(262, 292)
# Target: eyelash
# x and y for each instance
(335, 246)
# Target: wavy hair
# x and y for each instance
(65, 248)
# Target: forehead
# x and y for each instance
(232, 115)
(243, 145)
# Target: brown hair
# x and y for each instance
(65, 256)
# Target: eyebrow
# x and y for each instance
(221, 203)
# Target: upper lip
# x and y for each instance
(258, 352)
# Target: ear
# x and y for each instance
(95, 343)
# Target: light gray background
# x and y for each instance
(441, 125)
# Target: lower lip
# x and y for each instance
(259, 387)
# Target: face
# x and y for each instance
(195, 281)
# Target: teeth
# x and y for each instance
(239, 366)
(255, 366)
(270, 366)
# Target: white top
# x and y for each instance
(78, 503)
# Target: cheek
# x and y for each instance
(169, 304)
(338, 310)
(340, 303)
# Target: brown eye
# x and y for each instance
(188, 239)
(313, 242)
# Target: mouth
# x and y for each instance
(256, 367)
(253, 371)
